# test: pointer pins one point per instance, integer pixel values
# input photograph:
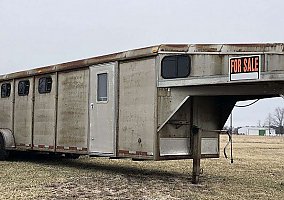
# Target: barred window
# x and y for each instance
(23, 88)
(5, 90)
(45, 85)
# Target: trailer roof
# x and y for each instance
(277, 48)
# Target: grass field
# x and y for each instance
(257, 173)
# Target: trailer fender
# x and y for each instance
(8, 139)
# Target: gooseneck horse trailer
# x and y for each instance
(162, 102)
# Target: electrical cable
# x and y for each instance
(230, 141)
(230, 133)
(225, 154)
(247, 104)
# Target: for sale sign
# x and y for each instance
(244, 67)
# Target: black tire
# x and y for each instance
(4, 154)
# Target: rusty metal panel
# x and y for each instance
(72, 116)
(137, 96)
(45, 115)
(23, 116)
(6, 109)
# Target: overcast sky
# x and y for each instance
(36, 33)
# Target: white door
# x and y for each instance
(103, 96)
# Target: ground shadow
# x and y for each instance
(55, 160)
(132, 172)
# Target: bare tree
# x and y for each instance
(268, 122)
(276, 120)
(278, 117)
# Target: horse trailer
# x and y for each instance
(159, 103)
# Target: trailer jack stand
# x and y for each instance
(196, 171)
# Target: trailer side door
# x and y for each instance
(103, 111)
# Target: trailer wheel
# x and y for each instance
(4, 154)
(72, 156)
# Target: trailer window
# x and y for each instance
(175, 67)
(23, 88)
(45, 85)
(102, 87)
(5, 90)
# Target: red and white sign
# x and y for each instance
(244, 67)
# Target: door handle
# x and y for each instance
(92, 106)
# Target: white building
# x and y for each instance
(255, 130)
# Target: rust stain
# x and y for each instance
(174, 47)
(141, 153)
(123, 152)
(261, 45)
(206, 48)
(137, 153)
(155, 49)
(43, 70)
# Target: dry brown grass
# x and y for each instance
(257, 173)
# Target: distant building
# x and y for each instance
(255, 130)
